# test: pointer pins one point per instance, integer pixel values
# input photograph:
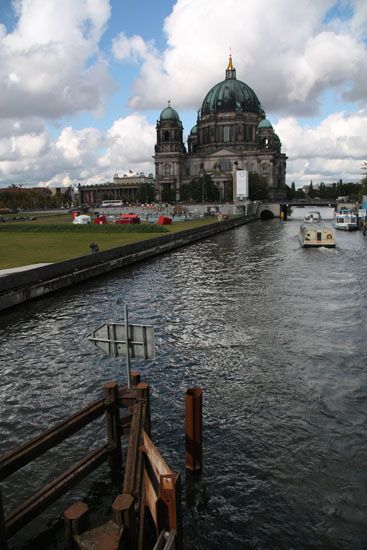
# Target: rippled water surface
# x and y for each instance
(276, 337)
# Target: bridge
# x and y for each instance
(279, 208)
(311, 202)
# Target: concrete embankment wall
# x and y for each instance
(22, 286)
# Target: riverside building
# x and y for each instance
(125, 188)
(231, 132)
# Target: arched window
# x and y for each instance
(166, 136)
(225, 165)
(167, 169)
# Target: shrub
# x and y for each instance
(24, 227)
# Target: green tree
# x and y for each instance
(311, 191)
(362, 189)
(201, 189)
(145, 193)
(168, 194)
(25, 199)
(300, 194)
(289, 193)
(258, 187)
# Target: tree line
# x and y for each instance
(200, 189)
(352, 191)
(28, 199)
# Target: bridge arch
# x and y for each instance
(268, 210)
(266, 214)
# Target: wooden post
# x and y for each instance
(169, 515)
(113, 427)
(135, 378)
(123, 510)
(142, 392)
(76, 521)
(193, 429)
(3, 543)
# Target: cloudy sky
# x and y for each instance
(82, 82)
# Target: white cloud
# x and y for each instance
(130, 141)
(282, 49)
(79, 147)
(132, 49)
(333, 149)
(50, 64)
(86, 156)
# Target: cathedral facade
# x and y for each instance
(231, 133)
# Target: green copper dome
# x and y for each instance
(169, 114)
(264, 124)
(231, 95)
(194, 130)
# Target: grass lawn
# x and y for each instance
(24, 248)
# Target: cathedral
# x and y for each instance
(231, 133)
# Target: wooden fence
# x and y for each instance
(148, 484)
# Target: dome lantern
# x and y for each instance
(169, 113)
(265, 124)
(230, 71)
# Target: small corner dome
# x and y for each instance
(194, 130)
(169, 114)
(265, 123)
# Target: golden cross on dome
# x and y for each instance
(169, 103)
(230, 64)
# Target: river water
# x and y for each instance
(276, 337)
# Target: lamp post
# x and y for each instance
(202, 174)
(234, 184)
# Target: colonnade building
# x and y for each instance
(125, 188)
(231, 132)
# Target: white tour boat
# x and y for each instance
(346, 219)
(311, 237)
(312, 217)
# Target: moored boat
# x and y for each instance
(346, 219)
(311, 237)
(312, 217)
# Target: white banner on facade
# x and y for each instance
(242, 184)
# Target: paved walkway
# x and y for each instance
(17, 269)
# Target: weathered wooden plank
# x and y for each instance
(155, 458)
(113, 428)
(132, 468)
(3, 543)
(51, 492)
(14, 460)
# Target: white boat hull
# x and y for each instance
(346, 220)
(316, 237)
